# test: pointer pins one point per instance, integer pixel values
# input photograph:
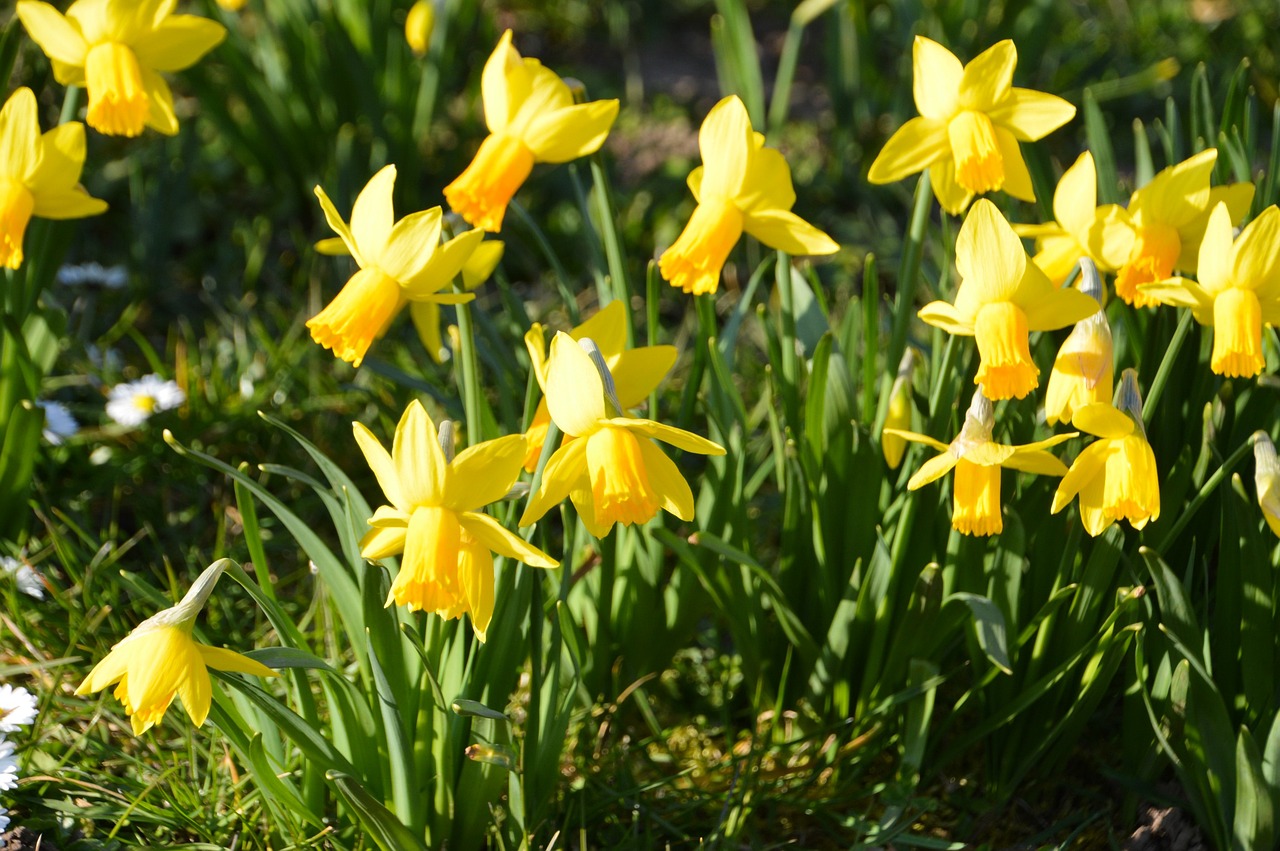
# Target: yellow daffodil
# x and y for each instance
(1115, 475)
(232, 5)
(435, 520)
(611, 470)
(399, 262)
(418, 25)
(39, 174)
(740, 186)
(1002, 297)
(1082, 370)
(971, 120)
(1238, 291)
(1266, 477)
(636, 372)
(426, 314)
(1168, 217)
(1081, 228)
(160, 660)
(977, 460)
(114, 48)
(898, 418)
(531, 118)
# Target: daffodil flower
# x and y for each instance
(1266, 478)
(1081, 228)
(977, 460)
(1168, 217)
(740, 186)
(611, 471)
(426, 314)
(1002, 297)
(636, 372)
(39, 174)
(898, 417)
(1238, 291)
(531, 118)
(399, 262)
(114, 48)
(435, 518)
(971, 120)
(160, 660)
(418, 25)
(1082, 370)
(1115, 476)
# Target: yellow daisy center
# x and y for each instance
(16, 204)
(1155, 252)
(481, 193)
(976, 493)
(979, 165)
(118, 102)
(694, 261)
(144, 402)
(358, 315)
(620, 486)
(1006, 371)
(1237, 334)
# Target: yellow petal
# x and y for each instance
(504, 85)
(607, 328)
(989, 255)
(1076, 199)
(942, 315)
(566, 470)
(1237, 334)
(535, 342)
(570, 132)
(785, 231)
(1086, 467)
(988, 78)
(494, 536)
(951, 196)
(915, 146)
(426, 320)
(67, 204)
(1111, 237)
(372, 215)
(726, 141)
(575, 391)
(677, 437)
(547, 94)
(1048, 307)
(112, 667)
(161, 116)
(986, 454)
(221, 659)
(1058, 256)
(441, 267)
(935, 79)
(1103, 420)
(20, 136)
(483, 473)
(916, 437)
(475, 575)
(419, 460)
(1036, 461)
(664, 476)
(338, 226)
(932, 470)
(767, 184)
(1214, 268)
(694, 181)
(383, 542)
(638, 372)
(1256, 253)
(60, 158)
(1031, 115)
(480, 265)
(410, 245)
(1178, 194)
(178, 42)
(57, 36)
(1017, 180)
(384, 469)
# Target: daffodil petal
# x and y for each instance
(767, 185)
(178, 42)
(196, 692)
(915, 146)
(502, 541)
(694, 181)
(338, 226)
(1076, 199)
(483, 473)
(935, 79)
(383, 542)
(785, 231)
(677, 437)
(726, 141)
(419, 460)
(411, 243)
(987, 80)
(161, 118)
(1035, 461)
(667, 482)
(1031, 115)
(916, 437)
(20, 135)
(607, 328)
(504, 85)
(565, 470)
(1214, 266)
(1017, 180)
(570, 132)
(1177, 195)
(988, 454)
(442, 267)
(1182, 292)
(67, 204)
(989, 255)
(1085, 468)
(1057, 307)
(426, 320)
(61, 158)
(1256, 253)
(932, 470)
(57, 36)
(638, 372)
(372, 215)
(951, 196)
(941, 314)
(221, 659)
(1110, 237)
(575, 391)
(1103, 420)
(384, 469)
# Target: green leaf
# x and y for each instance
(383, 827)
(989, 627)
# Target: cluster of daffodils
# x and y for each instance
(971, 120)
(17, 710)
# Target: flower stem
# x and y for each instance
(470, 372)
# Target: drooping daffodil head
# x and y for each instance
(636, 373)
(1115, 476)
(1082, 371)
(1238, 290)
(977, 460)
(898, 417)
(400, 261)
(1266, 478)
(971, 120)
(434, 518)
(39, 174)
(115, 49)
(419, 24)
(1168, 217)
(740, 186)
(611, 470)
(1002, 297)
(160, 660)
(532, 118)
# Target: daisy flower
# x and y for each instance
(8, 766)
(17, 708)
(58, 422)
(28, 581)
(133, 403)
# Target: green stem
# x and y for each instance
(909, 270)
(470, 372)
(787, 337)
(870, 336)
(1205, 492)
(1166, 366)
(653, 299)
(544, 245)
(621, 289)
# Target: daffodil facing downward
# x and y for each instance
(400, 262)
(1115, 476)
(1168, 217)
(39, 174)
(1238, 289)
(898, 417)
(1266, 478)
(977, 460)
(636, 372)
(611, 470)
(971, 120)
(114, 48)
(1002, 297)
(532, 118)
(1080, 228)
(160, 660)
(1082, 371)
(740, 186)
(435, 519)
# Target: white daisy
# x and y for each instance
(94, 275)
(4, 819)
(8, 766)
(17, 708)
(133, 403)
(58, 422)
(29, 582)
